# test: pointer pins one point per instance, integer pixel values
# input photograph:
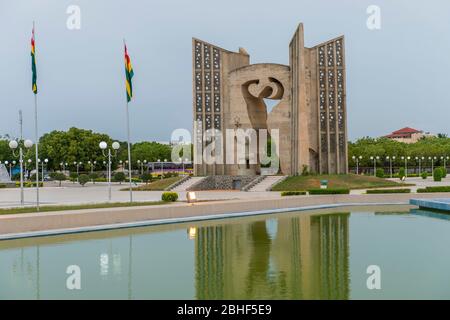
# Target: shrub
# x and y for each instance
(83, 179)
(380, 173)
(305, 170)
(293, 193)
(100, 180)
(378, 191)
(73, 176)
(119, 177)
(2, 186)
(58, 176)
(401, 173)
(93, 176)
(170, 175)
(434, 189)
(146, 177)
(424, 175)
(169, 196)
(437, 174)
(444, 172)
(16, 177)
(328, 191)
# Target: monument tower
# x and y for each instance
(310, 112)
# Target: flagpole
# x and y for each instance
(129, 146)
(129, 152)
(37, 139)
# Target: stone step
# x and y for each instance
(188, 183)
(267, 183)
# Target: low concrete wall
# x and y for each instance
(29, 222)
(221, 182)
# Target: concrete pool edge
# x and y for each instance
(156, 222)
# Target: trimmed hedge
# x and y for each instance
(378, 191)
(169, 196)
(328, 191)
(434, 189)
(293, 193)
(2, 186)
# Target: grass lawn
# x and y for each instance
(349, 181)
(156, 185)
(80, 206)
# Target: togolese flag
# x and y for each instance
(128, 75)
(33, 63)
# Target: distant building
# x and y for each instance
(408, 135)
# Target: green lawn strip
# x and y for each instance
(79, 207)
(434, 189)
(350, 181)
(384, 191)
(156, 185)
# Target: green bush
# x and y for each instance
(437, 174)
(32, 184)
(434, 189)
(293, 193)
(305, 170)
(378, 191)
(380, 173)
(444, 172)
(401, 173)
(100, 180)
(58, 176)
(119, 177)
(328, 191)
(424, 175)
(83, 179)
(146, 177)
(170, 175)
(94, 176)
(2, 186)
(73, 176)
(169, 196)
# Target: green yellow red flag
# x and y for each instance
(33, 63)
(128, 75)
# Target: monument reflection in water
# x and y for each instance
(302, 257)
(278, 257)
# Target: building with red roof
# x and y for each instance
(408, 135)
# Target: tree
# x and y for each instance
(119, 177)
(73, 176)
(150, 151)
(83, 179)
(58, 176)
(437, 174)
(146, 177)
(401, 173)
(93, 176)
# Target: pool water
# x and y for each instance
(306, 255)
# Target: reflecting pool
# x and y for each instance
(321, 254)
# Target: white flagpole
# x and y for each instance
(36, 137)
(129, 145)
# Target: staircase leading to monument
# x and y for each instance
(186, 184)
(267, 183)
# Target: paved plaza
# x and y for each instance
(70, 194)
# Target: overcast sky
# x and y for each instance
(396, 76)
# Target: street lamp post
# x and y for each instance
(375, 159)
(432, 163)
(14, 145)
(115, 146)
(445, 163)
(357, 159)
(162, 169)
(390, 164)
(406, 165)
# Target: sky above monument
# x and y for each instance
(397, 75)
